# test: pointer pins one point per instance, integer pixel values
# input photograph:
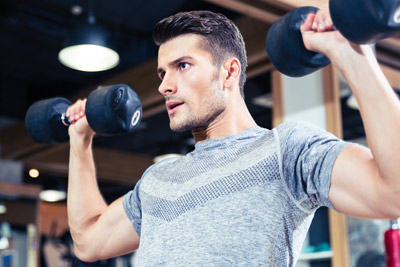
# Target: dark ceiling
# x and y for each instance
(33, 32)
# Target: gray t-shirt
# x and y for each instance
(242, 200)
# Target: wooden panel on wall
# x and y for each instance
(20, 212)
(13, 190)
(53, 219)
(277, 98)
(111, 165)
(337, 222)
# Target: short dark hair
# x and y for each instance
(222, 38)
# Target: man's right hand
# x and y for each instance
(79, 128)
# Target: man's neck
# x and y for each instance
(234, 119)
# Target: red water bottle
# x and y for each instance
(392, 244)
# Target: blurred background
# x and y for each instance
(32, 34)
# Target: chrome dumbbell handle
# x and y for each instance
(65, 120)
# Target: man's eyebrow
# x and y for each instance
(174, 62)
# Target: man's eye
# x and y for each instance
(184, 65)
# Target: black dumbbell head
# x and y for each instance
(113, 109)
(366, 21)
(285, 47)
(43, 121)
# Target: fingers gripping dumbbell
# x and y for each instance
(112, 109)
(360, 21)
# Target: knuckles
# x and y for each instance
(76, 110)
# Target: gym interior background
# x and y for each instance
(31, 36)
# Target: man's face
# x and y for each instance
(191, 83)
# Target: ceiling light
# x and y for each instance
(52, 195)
(76, 10)
(34, 173)
(88, 48)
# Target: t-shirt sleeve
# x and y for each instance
(307, 155)
(132, 206)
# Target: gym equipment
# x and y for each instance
(285, 46)
(45, 121)
(392, 244)
(360, 21)
(365, 21)
(113, 109)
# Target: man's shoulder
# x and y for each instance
(297, 125)
(299, 129)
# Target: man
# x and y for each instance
(246, 195)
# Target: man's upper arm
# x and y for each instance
(357, 188)
(111, 235)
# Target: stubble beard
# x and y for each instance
(210, 110)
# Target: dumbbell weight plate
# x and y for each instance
(366, 21)
(43, 121)
(113, 109)
(285, 47)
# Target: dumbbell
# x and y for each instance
(360, 21)
(114, 109)
(285, 47)
(365, 21)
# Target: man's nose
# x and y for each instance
(168, 85)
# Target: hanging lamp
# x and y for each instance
(89, 48)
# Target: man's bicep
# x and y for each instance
(356, 186)
(113, 234)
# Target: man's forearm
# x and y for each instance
(85, 203)
(379, 107)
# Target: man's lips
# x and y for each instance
(172, 106)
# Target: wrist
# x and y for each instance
(81, 142)
(351, 60)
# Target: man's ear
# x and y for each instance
(232, 71)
